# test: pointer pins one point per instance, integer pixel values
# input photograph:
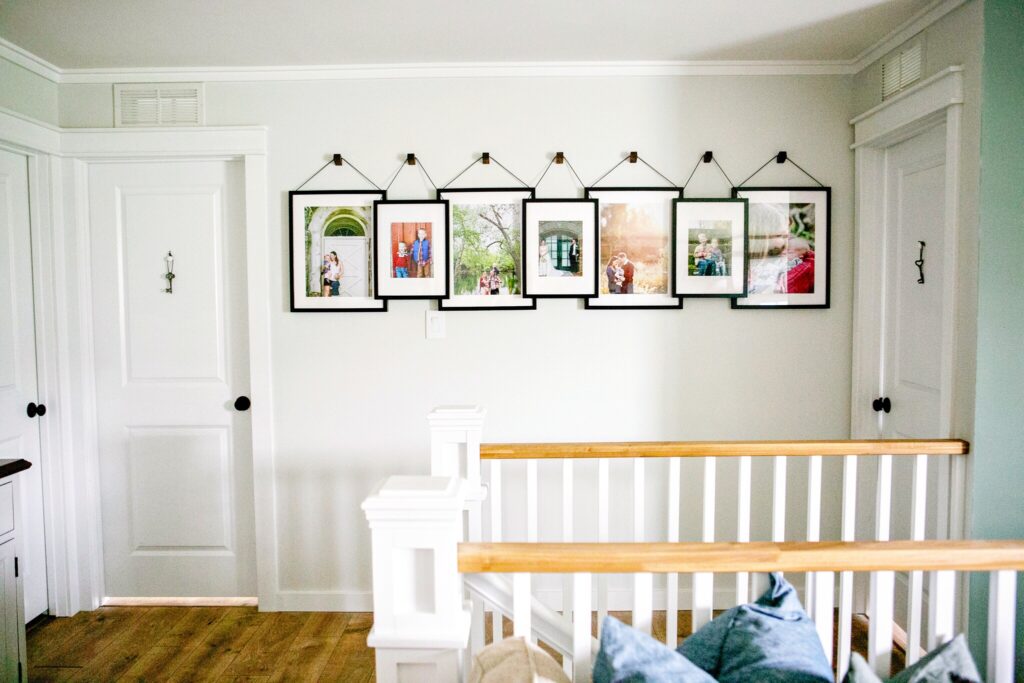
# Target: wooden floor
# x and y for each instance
(233, 644)
(201, 644)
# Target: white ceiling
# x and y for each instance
(85, 34)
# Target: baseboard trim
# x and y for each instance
(324, 601)
(179, 602)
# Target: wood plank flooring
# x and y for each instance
(233, 644)
(201, 644)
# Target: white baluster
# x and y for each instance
(779, 499)
(638, 500)
(703, 582)
(743, 525)
(603, 503)
(813, 522)
(643, 592)
(1002, 605)
(919, 488)
(581, 637)
(824, 594)
(847, 533)
(880, 625)
(531, 501)
(521, 606)
(567, 536)
(941, 605)
(494, 493)
(672, 579)
(882, 583)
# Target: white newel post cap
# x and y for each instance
(455, 434)
(416, 526)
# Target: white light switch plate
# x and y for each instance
(435, 325)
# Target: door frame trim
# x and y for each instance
(59, 162)
(936, 100)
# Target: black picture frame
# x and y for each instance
(377, 305)
(744, 246)
(376, 254)
(447, 304)
(827, 191)
(588, 303)
(596, 258)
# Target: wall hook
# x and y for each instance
(169, 275)
(920, 264)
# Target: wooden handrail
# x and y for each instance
(627, 558)
(701, 449)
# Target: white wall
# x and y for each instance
(352, 390)
(27, 93)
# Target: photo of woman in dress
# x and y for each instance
(332, 274)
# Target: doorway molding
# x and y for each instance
(59, 161)
(934, 101)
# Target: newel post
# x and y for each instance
(455, 433)
(420, 623)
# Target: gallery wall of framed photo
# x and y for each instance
(617, 247)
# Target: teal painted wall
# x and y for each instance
(997, 501)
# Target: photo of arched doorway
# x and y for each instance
(558, 239)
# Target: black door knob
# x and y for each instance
(882, 405)
(33, 410)
(242, 403)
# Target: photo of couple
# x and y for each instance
(411, 250)
(487, 240)
(634, 248)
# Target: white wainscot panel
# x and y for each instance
(180, 483)
(180, 335)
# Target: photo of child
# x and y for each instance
(635, 243)
(782, 248)
(412, 250)
(710, 248)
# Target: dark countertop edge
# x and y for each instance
(9, 467)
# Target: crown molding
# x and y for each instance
(904, 32)
(920, 21)
(26, 60)
(459, 70)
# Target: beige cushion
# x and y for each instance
(513, 660)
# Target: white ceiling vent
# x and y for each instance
(158, 104)
(901, 70)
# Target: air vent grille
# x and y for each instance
(901, 70)
(164, 104)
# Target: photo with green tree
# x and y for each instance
(487, 248)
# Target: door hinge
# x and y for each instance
(15, 567)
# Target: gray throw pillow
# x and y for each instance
(770, 641)
(948, 663)
(629, 656)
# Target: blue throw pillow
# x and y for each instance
(771, 641)
(949, 663)
(629, 656)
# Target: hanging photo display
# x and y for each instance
(710, 238)
(788, 247)
(331, 250)
(485, 256)
(411, 249)
(635, 247)
(560, 254)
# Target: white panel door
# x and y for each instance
(175, 454)
(913, 310)
(19, 433)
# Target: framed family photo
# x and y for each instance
(710, 237)
(330, 243)
(635, 247)
(560, 252)
(788, 247)
(485, 256)
(411, 254)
